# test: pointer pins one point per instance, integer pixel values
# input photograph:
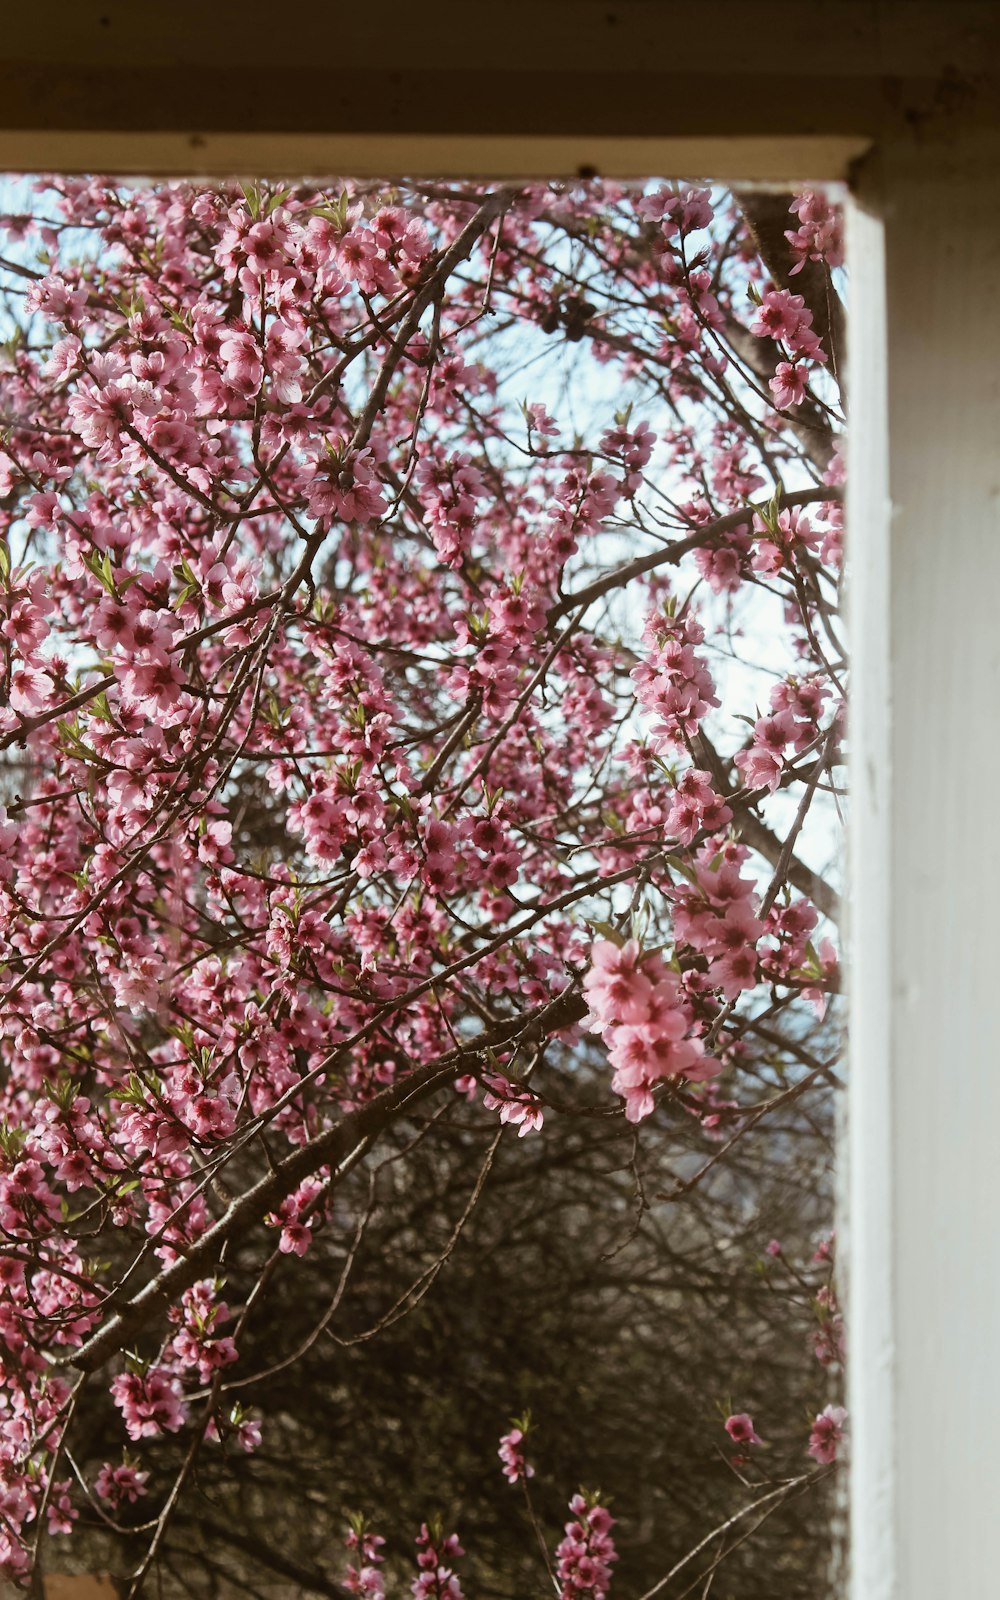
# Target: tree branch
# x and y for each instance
(671, 554)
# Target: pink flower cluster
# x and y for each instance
(827, 1433)
(151, 1402)
(696, 807)
(723, 564)
(796, 708)
(829, 1339)
(820, 233)
(632, 447)
(515, 1468)
(297, 1216)
(366, 1578)
(673, 684)
(680, 809)
(517, 1105)
(198, 1345)
(451, 488)
(781, 541)
(60, 1512)
(679, 211)
(118, 1485)
(586, 1551)
(24, 1480)
(437, 1580)
(345, 487)
(715, 917)
(639, 1007)
(785, 318)
(582, 501)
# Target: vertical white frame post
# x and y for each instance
(865, 1173)
(923, 1144)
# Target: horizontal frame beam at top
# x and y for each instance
(364, 155)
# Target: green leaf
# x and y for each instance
(100, 565)
(683, 867)
(251, 194)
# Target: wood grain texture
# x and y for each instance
(775, 159)
(185, 86)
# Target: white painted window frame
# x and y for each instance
(921, 1179)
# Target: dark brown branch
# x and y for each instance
(672, 553)
(768, 218)
(760, 838)
(331, 1147)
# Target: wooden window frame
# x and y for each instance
(900, 100)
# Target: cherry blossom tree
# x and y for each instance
(423, 699)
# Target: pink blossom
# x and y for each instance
(780, 316)
(615, 988)
(763, 764)
(154, 686)
(346, 489)
(365, 1579)
(118, 1485)
(517, 1105)
(242, 362)
(789, 384)
(826, 1435)
(515, 1467)
(436, 1580)
(586, 1552)
(621, 984)
(741, 1430)
(150, 1404)
(30, 689)
(819, 235)
(60, 1511)
(674, 684)
(696, 806)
